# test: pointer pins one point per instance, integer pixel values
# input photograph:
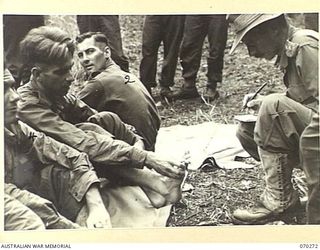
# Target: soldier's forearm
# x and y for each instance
(98, 216)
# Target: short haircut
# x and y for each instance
(46, 44)
(97, 36)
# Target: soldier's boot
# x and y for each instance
(278, 198)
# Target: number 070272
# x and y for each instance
(309, 246)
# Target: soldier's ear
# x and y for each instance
(35, 72)
(107, 52)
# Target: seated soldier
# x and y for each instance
(111, 89)
(57, 172)
(286, 134)
(46, 106)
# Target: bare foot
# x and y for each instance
(166, 191)
(156, 199)
(172, 191)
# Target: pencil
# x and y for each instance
(254, 95)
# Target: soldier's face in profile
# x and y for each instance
(11, 98)
(92, 55)
(55, 79)
(262, 42)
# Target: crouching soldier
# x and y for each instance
(286, 134)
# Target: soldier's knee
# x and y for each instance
(107, 120)
(273, 102)
(106, 116)
(240, 131)
(20, 217)
(245, 130)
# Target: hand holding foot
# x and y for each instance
(165, 167)
(164, 191)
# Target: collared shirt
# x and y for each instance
(122, 93)
(299, 62)
(57, 120)
(27, 149)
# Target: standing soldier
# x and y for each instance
(156, 29)
(196, 28)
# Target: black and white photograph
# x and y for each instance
(127, 121)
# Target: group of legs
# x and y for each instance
(183, 37)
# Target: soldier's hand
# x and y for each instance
(99, 218)
(250, 103)
(165, 167)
